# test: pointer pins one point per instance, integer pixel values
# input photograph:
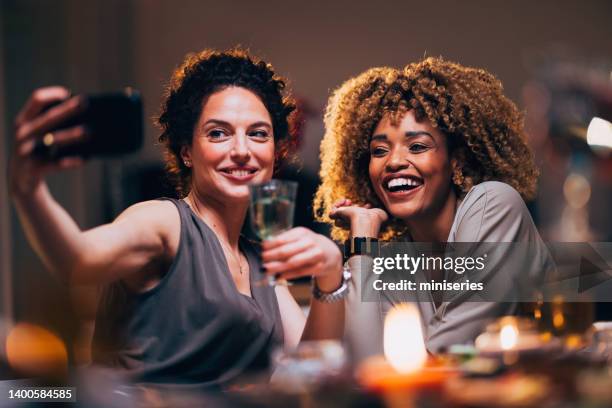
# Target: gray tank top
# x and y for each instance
(194, 327)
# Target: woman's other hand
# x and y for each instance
(301, 252)
(32, 125)
(363, 221)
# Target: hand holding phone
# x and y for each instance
(111, 124)
(54, 131)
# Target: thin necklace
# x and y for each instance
(237, 259)
(229, 250)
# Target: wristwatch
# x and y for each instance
(336, 295)
(360, 246)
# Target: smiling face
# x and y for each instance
(232, 145)
(410, 168)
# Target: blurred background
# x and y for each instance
(554, 58)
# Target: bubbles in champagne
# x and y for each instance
(272, 215)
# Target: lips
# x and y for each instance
(401, 186)
(401, 183)
(239, 173)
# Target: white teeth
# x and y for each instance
(239, 173)
(400, 181)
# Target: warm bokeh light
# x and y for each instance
(508, 336)
(403, 339)
(577, 190)
(35, 351)
(599, 135)
(558, 320)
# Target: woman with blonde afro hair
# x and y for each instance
(436, 153)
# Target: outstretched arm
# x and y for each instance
(140, 236)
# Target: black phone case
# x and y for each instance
(114, 127)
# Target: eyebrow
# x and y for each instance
(410, 133)
(225, 123)
(261, 123)
(418, 133)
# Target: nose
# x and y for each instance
(240, 152)
(397, 161)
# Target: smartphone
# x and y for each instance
(114, 127)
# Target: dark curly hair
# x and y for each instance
(484, 131)
(205, 73)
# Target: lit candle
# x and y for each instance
(403, 339)
(404, 366)
(508, 339)
(510, 336)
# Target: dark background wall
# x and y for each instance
(98, 45)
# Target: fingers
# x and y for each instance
(342, 212)
(285, 251)
(303, 254)
(298, 261)
(341, 216)
(301, 272)
(40, 99)
(340, 220)
(70, 162)
(290, 250)
(343, 202)
(70, 135)
(286, 237)
(382, 214)
(346, 212)
(60, 138)
(50, 119)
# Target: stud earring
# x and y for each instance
(187, 163)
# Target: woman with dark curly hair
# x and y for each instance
(431, 153)
(180, 305)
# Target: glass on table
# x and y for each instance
(300, 368)
(272, 207)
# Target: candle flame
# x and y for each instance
(403, 339)
(508, 336)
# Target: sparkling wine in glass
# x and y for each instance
(271, 209)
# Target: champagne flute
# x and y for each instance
(271, 209)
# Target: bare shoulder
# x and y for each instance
(158, 217)
(155, 211)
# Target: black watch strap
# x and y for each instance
(360, 246)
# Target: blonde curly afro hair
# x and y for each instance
(484, 131)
